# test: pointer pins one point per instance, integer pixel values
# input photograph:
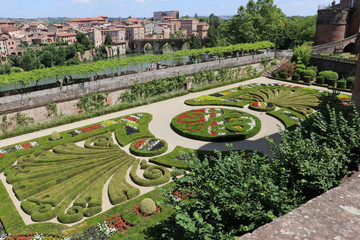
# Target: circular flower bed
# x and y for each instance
(148, 147)
(216, 124)
(262, 106)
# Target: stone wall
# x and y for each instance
(343, 68)
(68, 93)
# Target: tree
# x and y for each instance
(60, 58)
(214, 20)
(298, 30)
(302, 54)
(194, 42)
(108, 41)
(26, 60)
(320, 152)
(47, 58)
(82, 39)
(214, 37)
(258, 21)
(70, 52)
(229, 194)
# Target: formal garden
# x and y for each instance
(100, 181)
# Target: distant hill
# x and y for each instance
(49, 20)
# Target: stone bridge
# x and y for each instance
(349, 44)
(138, 46)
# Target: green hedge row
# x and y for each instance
(286, 119)
(164, 176)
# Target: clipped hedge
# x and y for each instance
(164, 178)
(159, 148)
(320, 80)
(329, 76)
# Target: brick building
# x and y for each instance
(337, 21)
(134, 32)
(98, 35)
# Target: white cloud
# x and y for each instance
(82, 1)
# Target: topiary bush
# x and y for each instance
(55, 136)
(331, 82)
(350, 82)
(329, 75)
(283, 75)
(147, 206)
(320, 80)
(300, 66)
(341, 84)
(307, 79)
(295, 77)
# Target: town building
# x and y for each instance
(161, 14)
(89, 21)
(189, 25)
(70, 38)
(134, 32)
(98, 35)
(202, 29)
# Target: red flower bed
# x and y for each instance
(131, 118)
(140, 143)
(138, 211)
(2, 155)
(26, 145)
(91, 128)
(28, 236)
(118, 223)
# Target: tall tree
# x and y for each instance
(297, 31)
(83, 39)
(194, 42)
(258, 21)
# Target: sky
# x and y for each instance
(141, 8)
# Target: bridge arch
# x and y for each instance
(147, 47)
(350, 48)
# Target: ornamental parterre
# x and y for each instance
(149, 144)
(216, 124)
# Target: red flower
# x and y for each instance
(26, 145)
(140, 143)
(91, 128)
(118, 223)
(2, 155)
(131, 118)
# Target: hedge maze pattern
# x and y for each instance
(67, 181)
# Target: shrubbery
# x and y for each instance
(329, 75)
(147, 206)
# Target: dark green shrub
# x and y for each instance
(331, 82)
(307, 79)
(313, 68)
(329, 75)
(165, 176)
(309, 73)
(341, 84)
(283, 75)
(74, 214)
(300, 66)
(295, 77)
(350, 82)
(320, 80)
(147, 206)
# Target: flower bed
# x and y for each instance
(262, 106)
(148, 147)
(216, 124)
(18, 147)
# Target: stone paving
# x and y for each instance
(334, 215)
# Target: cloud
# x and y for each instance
(82, 1)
